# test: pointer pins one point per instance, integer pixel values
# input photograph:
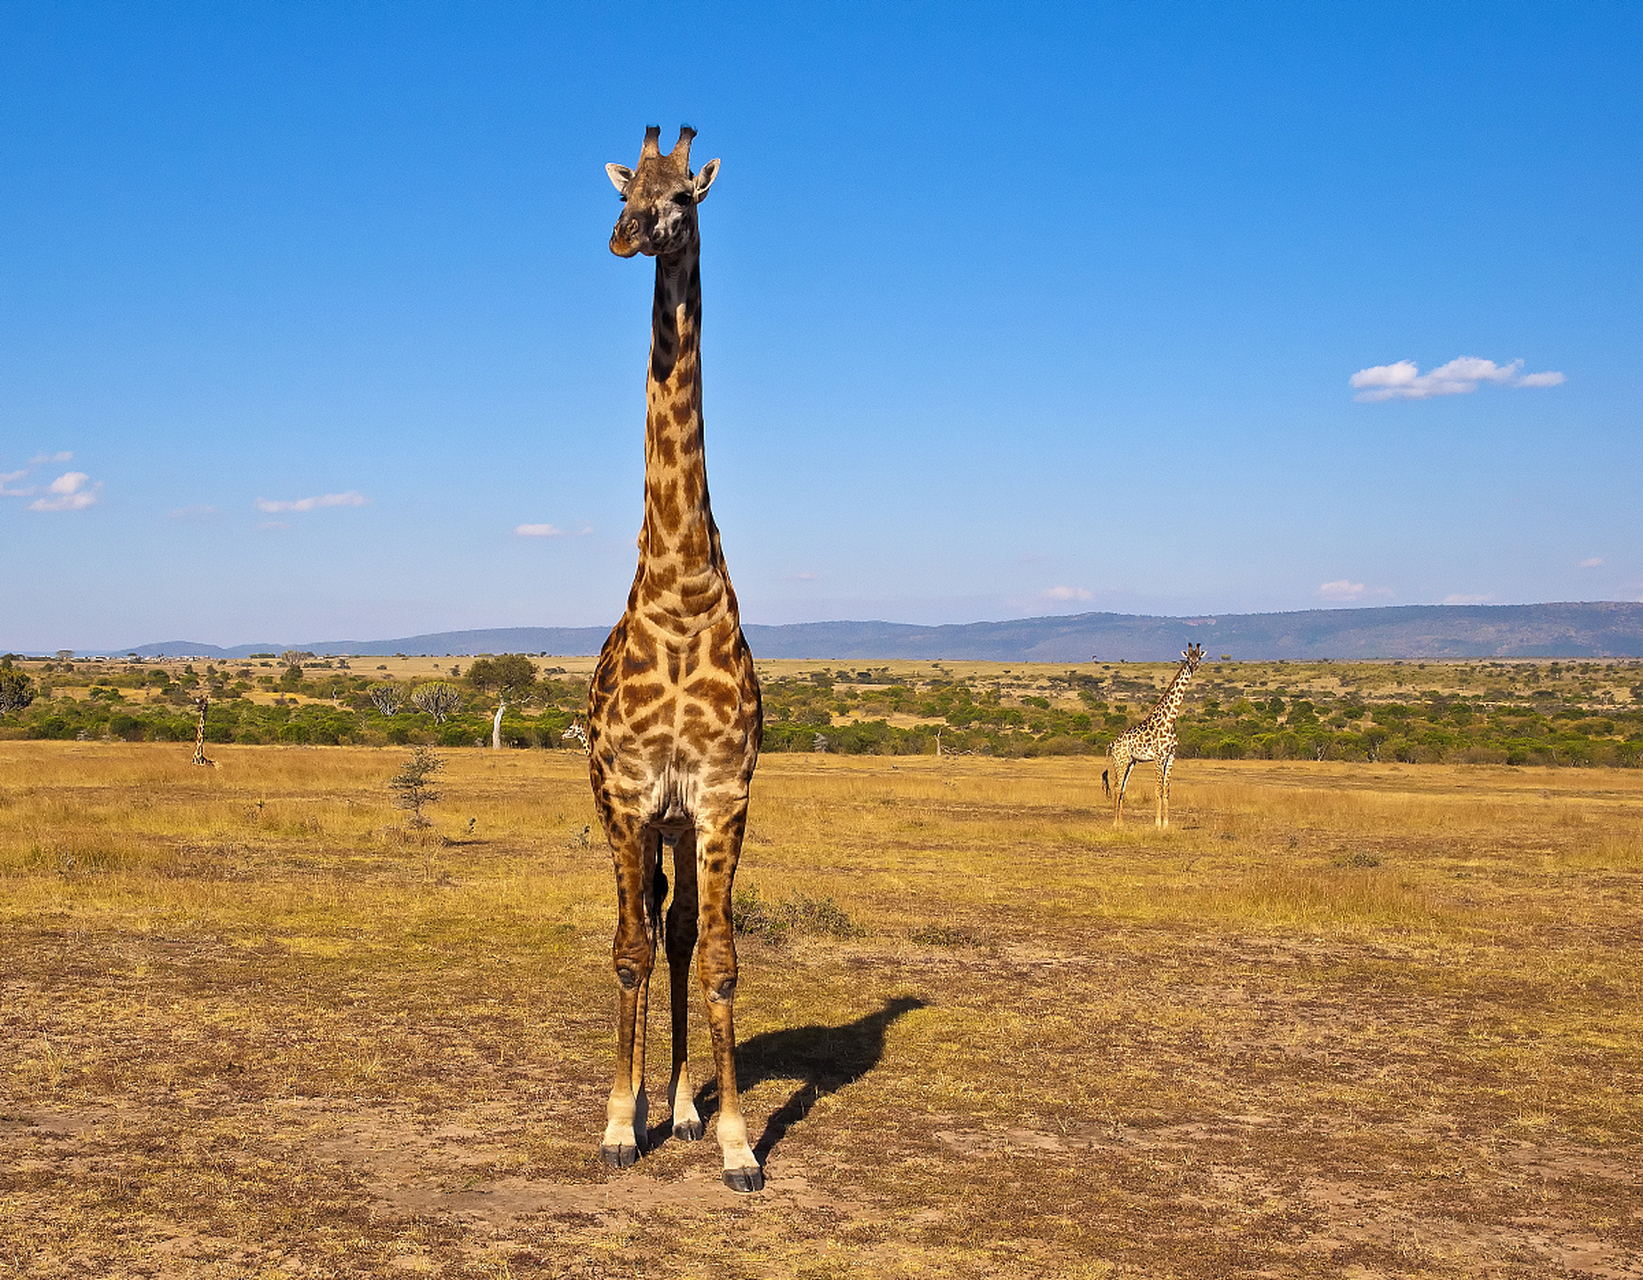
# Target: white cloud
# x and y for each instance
(1068, 593)
(550, 531)
(1463, 599)
(1592, 563)
(66, 455)
(353, 498)
(8, 477)
(1465, 374)
(68, 492)
(1342, 589)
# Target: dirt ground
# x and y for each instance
(1342, 1020)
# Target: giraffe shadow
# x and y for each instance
(824, 1058)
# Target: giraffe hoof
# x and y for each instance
(751, 1179)
(619, 1157)
(688, 1131)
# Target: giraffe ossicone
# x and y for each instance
(1152, 739)
(674, 720)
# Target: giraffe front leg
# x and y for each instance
(681, 944)
(627, 1115)
(716, 966)
(1164, 764)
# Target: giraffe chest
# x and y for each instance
(674, 727)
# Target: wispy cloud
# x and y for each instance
(1465, 599)
(1346, 589)
(1068, 593)
(1461, 376)
(1591, 563)
(550, 531)
(71, 491)
(353, 498)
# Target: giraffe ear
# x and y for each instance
(704, 179)
(620, 176)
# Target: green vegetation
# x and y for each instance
(320, 703)
(1553, 713)
(1586, 713)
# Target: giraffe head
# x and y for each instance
(660, 198)
(1194, 654)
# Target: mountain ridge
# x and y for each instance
(1565, 629)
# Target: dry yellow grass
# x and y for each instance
(1343, 1020)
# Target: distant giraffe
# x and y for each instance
(674, 720)
(202, 700)
(1152, 739)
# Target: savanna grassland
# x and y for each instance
(1346, 1019)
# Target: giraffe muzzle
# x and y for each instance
(624, 240)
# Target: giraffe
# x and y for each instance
(202, 703)
(674, 720)
(1152, 739)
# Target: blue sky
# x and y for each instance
(1006, 313)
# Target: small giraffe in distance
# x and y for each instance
(674, 719)
(1152, 739)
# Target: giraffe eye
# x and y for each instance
(682, 198)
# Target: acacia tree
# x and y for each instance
(437, 698)
(510, 677)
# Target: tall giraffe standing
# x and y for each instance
(202, 704)
(1152, 739)
(674, 720)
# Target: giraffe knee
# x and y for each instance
(718, 976)
(632, 959)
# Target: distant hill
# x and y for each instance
(1572, 630)
(563, 640)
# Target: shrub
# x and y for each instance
(412, 787)
(752, 916)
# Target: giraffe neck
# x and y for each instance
(1169, 706)
(681, 584)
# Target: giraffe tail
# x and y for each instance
(1105, 789)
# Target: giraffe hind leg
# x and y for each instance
(681, 945)
(1121, 767)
